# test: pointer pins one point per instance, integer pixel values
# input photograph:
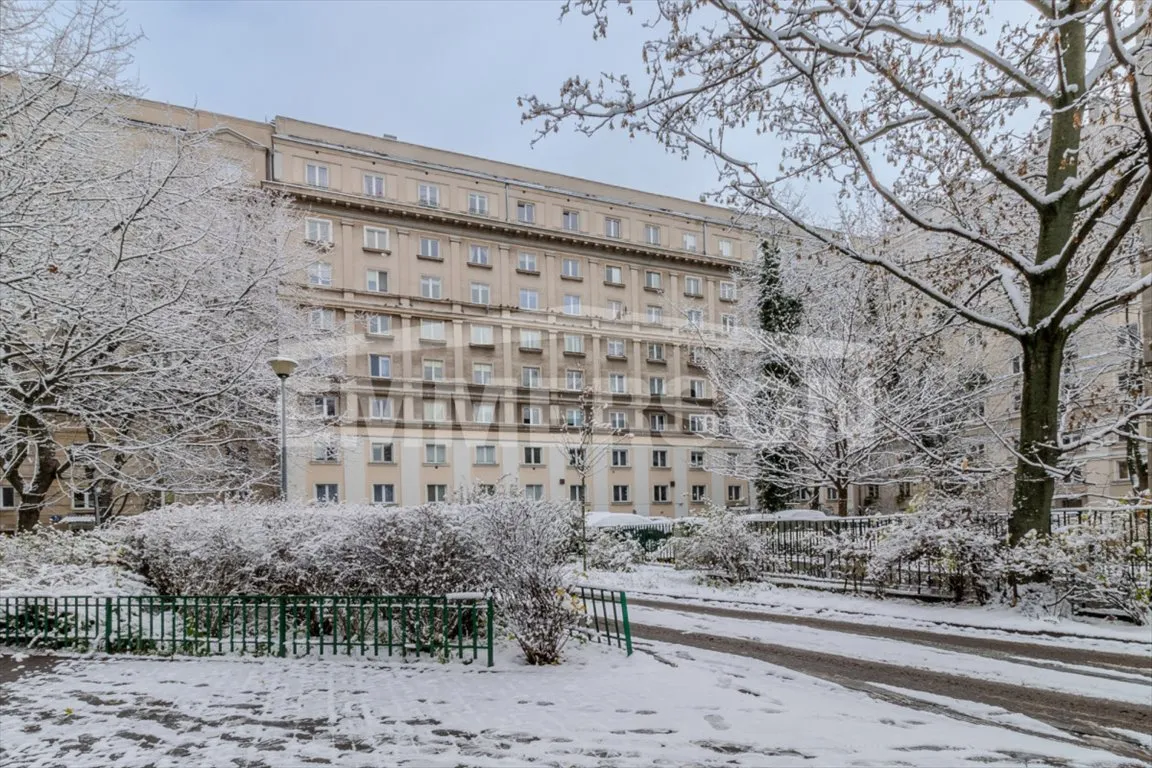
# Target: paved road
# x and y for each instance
(1085, 719)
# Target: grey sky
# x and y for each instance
(444, 73)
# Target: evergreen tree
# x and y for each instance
(780, 312)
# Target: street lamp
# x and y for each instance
(283, 368)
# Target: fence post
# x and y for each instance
(627, 626)
(107, 625)
(283, 627)
(491, 630)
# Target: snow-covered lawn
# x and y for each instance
(686, 706)
(661, 582)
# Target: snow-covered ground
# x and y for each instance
(671, 707)
(662, 582)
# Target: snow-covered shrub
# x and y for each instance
(528, 543)
(951, 538)
(724, 544)
(51, 563)
(613, 551)
(1096, 563)
(852, 552)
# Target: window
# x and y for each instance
(727, 291)
(481, 373)
(531, 415)
(383, 493)
(433, 370)
(653, 280)
(611, 227)
(323, 319)
(656, 386)
(318, 230)
(619, 457)
(699, 422)
(699, 493)
(617, 384)
(728, 323)
(435, 410)
(652, 234)
(436, 492)
(1017, 399)
(326, 451)
(660, 494)
(478, 254)
(660, 458)
(327, 493)
(526, 212)
(697, 388)
(482, 335)
(871, 491)
(1122, 472)
(696, 356)
(573, 343)
(534, 492)
(533, 455)
(380, 325)
(481, 293)
(655, 314)
(615, 347)
(693, 286)
(486, 454)
(575, 493)
(656, 351)
(429, 248)
(380, 366)
(83, 500)
(574, 417)
(618, 420)
(832, 494)
(531, 339)
(484, 413)
(735, 493)
(429, 194)
(695, 317)
(432, 330)
(658, 422)
(570, 268)
(1016, 366)
(526, 262)
(689, 242)
(382, 453)
(529, 299)
(319, 273)
(696, 460)
(616, 310)
(477, 204)
(620, 494)
(725, 248)
(571, 221)
(904, 489)
(435, 453)
(377, 281)
(572, 305)
(316, 175)
(431, 287)
(380, 408)
(576, 457)
(373, 185)
(574, 380)
(326, 406)
(530, 376)
(613, 275)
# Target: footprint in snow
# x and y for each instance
(717, 722)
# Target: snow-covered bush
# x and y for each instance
(724, 544)
(612, 551)
(47, 562)
(853, 553)
(1096, 563)
(528, 544)
(951, 538)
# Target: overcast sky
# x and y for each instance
(443, 73)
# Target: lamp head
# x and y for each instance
(283, 366)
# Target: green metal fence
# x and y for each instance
(458, 626)
(607, 612)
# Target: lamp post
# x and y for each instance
(283, 368)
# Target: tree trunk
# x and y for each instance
(842, 500)
(28, 513)
(1039, 415)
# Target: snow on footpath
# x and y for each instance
(663, 583)
(601, 708)
(900, 653)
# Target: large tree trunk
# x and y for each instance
(842, 500)
(1039, 420)
(34, 491)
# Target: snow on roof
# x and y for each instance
(625, 520)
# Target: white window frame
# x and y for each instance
(735, 493)
(87, 499)
(381, 409)
(660, 458)
(574, 417)
(574, 380)
(531, 415)
(654, 314)
(376, 238)
(694, 318)
(699, 493)
(481, 293)
(616, 348)
(320, 273)
(573, 305)
(618, 420)
(326, 406)
(698, 388)
(377, 363)
(570, 220)
(621, 494)
(532, 456)
(658, 422)
(317, 175)
(653, 280)
(482, 335)
(728, 323)
(613, 227)
(386, 451)
(652, 234)
(329, 495)
(615, 309)
(374, 185)
(534, 492)
(383, 493)
(325, 450)
(526, 261)
(699, 423)
(570, 267)
(531, 377)
(693, 280)
(322, 319)
(482, 373)
(656, 351)
(533, 335)
(429, 248)
(431, 287)
(485, 410)
(435, 411)
(727, 291)
(436, 454)
(529, 299)
(376, 281)
(574, 343)
(618, 383)
(525, 212)
(613, 274)
(428, 195)
(379, 325)
(436, 493)
(479, 254)
(725, 247)
(619, 457)
(317, 230)
(478, 204)
(660, 494)
(434, 367)
(657, 386)
(696, 460)
(691, 242)
(485, 456)
(433, 330)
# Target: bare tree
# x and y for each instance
(1010, 141)
(140, 282)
